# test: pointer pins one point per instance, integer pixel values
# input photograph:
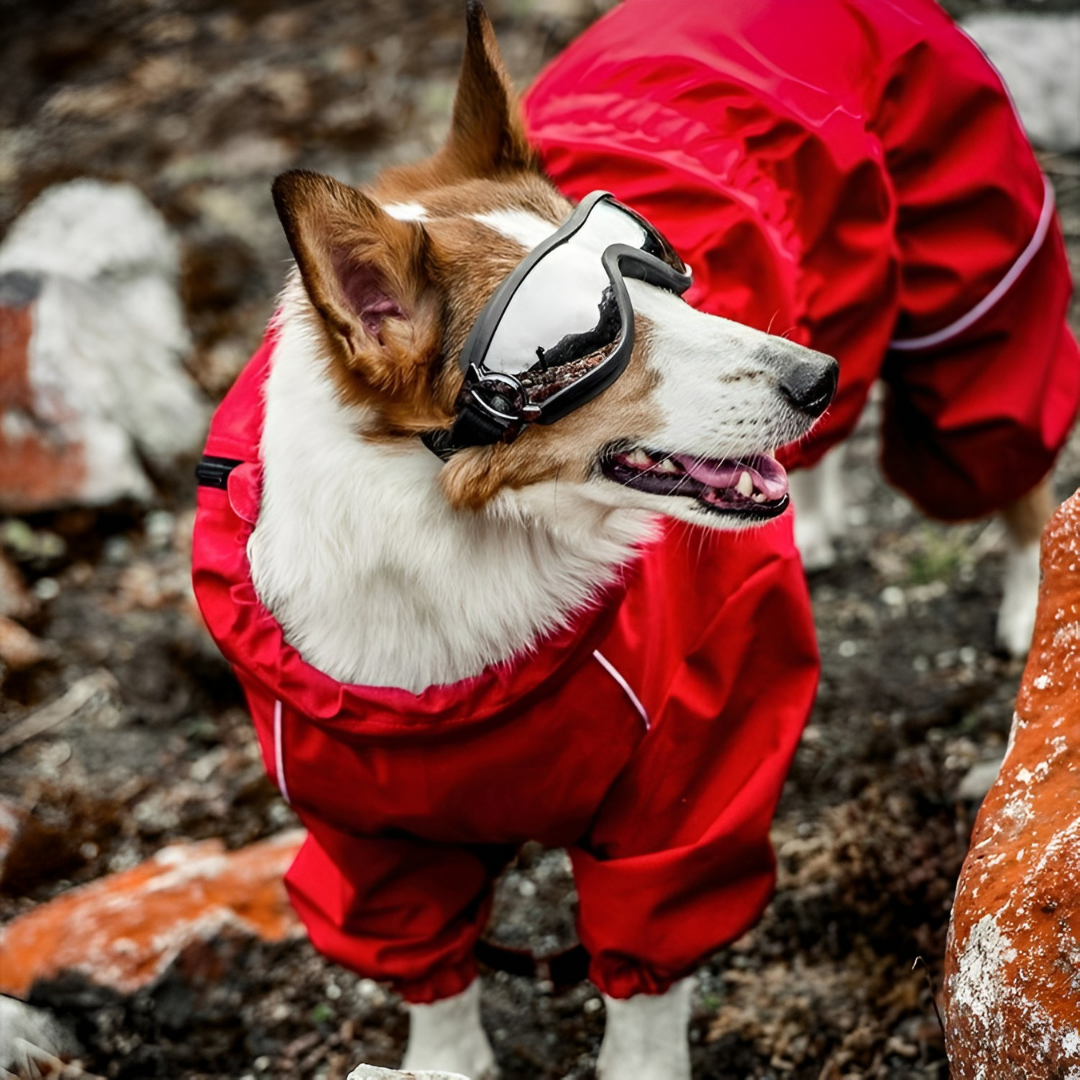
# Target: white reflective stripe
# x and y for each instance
(997, 292)
(279, 757)
(613, 671)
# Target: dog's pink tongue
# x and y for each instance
(766, 474)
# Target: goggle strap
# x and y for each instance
(472, 427)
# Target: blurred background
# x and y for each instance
(122, 732)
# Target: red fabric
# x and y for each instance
(846, 172)
(413, 802)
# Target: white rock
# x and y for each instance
(94, 348)
(1038, 56)
(371, 1072)
(28, 1036)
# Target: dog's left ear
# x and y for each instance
(370, 277)
(487, 135)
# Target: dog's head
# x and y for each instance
(396, 277)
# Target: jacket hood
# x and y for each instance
(253, 641)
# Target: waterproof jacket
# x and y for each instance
(850, 173)
(651, 737)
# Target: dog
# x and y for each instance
(394, 508)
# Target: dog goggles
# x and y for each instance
(560, 329)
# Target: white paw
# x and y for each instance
(448, 1036)
(28, 1037)
(820, 509)
(645, 1037)
(814, 543)
(1016, 616)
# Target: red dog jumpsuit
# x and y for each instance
(651, 738)
(850, 173)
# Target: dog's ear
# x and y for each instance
(486, 134)
(369, 276)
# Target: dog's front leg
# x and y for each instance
(646, 1036)
(448, 1036)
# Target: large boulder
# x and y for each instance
(124, 930)
(1012, 969)
(92, 344)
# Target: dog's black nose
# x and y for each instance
(809, 384)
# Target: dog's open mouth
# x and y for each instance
(753, 487)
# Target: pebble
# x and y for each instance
(46, 588)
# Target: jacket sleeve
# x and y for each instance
(983, 373)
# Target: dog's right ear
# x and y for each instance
(486, 133)
(367, 274)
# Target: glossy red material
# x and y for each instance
(847, 173)
(414, 802)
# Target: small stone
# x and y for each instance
(12, 819)
(46, 589)
(19, 649)
(978, 780)
(16, 600)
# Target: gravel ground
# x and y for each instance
(200, 103)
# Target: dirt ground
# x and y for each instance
(200, 103)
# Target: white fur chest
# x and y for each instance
(374, 577)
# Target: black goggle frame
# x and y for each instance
(494, 406)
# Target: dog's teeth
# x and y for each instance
(758, 496)
(667, 466)
(639, 458)
(745, 486)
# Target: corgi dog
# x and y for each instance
(414, 478)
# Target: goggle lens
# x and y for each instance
(567, 291)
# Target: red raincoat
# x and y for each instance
(851, 173)
(651, 738)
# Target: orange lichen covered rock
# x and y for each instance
(1012, 971)
(124, 930)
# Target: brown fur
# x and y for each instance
(566, 450)
(440, 273)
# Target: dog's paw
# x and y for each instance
(1016, 616)
(820, 511)
(645, 1037)
(814, 543)
(447, 1036)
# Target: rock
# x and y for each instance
(19, 649)
(124, 930)
(1036, 55)
(978, 780)
(92, 340)
(16, 600)
(1012, 967)
(371, 1072)
(12, 818)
